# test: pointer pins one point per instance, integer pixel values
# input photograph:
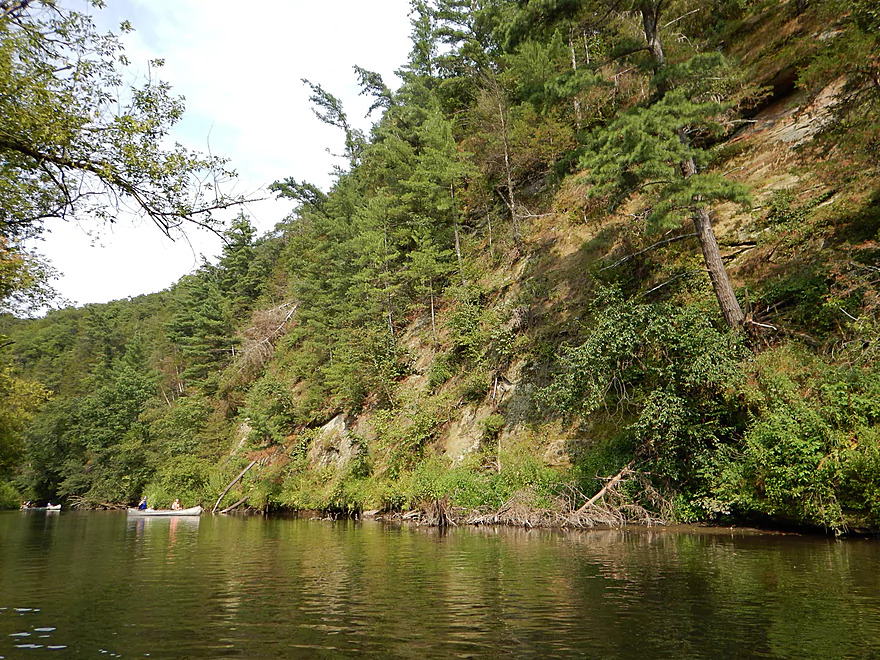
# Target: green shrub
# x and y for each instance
(467, 332)
(810, 452)
(667, 374)
(471, 487)
(10, 498)
(859, 494)
(269, 411)
(475, 387)
(492, 427)
(439, 371)
(180, 428)
(784, 470)
(184, 477)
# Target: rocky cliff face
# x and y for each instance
(334, 447)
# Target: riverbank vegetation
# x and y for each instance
(625, 249)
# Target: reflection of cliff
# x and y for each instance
(347, 587)
(256, 587)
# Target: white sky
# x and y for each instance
(239, 67)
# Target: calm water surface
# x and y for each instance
(99, 585)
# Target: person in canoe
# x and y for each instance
(143, 503)
(175, 505)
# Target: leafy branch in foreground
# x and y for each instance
(76, 140)
(24, 280)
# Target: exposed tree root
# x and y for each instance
(438, 514)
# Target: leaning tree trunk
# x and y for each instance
(730, 308)
(733, 314)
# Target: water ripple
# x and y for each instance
(223, 588)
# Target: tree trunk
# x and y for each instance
(232, 483)
(574, 67)
(387, 280)
(489, 221)
(455, 232)
(651, 22)
(237, 504)
(733, 314)
(433, 320)
(511, 200)
(730, 308)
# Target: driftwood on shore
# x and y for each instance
(232, 483)
(612, 482)
(237, 504)
(612, 506)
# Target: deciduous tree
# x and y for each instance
(77, 141)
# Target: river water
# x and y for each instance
(101, 585)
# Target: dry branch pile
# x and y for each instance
(267, 327)
(627, 498)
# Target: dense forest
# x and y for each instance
(596, 261)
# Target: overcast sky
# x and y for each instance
(239, 67)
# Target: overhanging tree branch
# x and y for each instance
(148, 201)
(76, 140)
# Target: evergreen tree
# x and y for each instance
(423, 56)
(201, 328)
(328, 109)
(241, 275)
(653, 148)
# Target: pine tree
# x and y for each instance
(201, 328)
(653, 148)
(238, 271)
(328, 109)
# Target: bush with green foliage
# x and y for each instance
(667, 374)
(810, 449)
(10, 497)
(183, 477)
(471, 486)
(269, 411)
(492, 427)
(179, 429)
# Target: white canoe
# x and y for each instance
(192, 511)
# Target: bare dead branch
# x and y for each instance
(676, 20)
(611, 483)
(647, 249)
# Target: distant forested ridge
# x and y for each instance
(596, 261)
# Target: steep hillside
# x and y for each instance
(596, 262)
